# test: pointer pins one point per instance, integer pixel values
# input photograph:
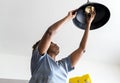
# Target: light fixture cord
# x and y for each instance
(88, 1)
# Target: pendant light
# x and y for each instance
(101, 18)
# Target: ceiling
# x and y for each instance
(23, 22)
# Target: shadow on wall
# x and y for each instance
(12, 81)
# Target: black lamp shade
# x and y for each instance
(101, 18)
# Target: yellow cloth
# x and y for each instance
(81, 79)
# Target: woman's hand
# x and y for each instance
(71, 14)
(90, 16)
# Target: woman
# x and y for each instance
(44, 68)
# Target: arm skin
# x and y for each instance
(76, 55)
(47, 37)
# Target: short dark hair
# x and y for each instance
(35, 45)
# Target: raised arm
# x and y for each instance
(47, 37)
(75, 56)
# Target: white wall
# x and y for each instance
(18, 67)
(14, 67)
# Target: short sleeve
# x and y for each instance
(35, 60)
(69, 64)
(66, 63)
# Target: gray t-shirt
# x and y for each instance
(45, 70)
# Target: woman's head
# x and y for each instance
(53, 48)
